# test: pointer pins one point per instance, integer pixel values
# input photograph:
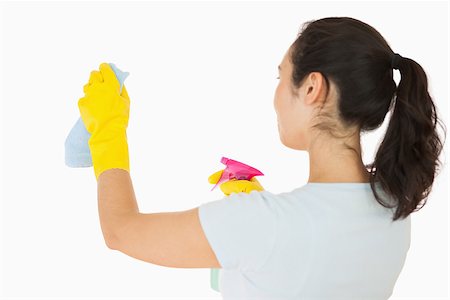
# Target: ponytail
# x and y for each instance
(408, 157)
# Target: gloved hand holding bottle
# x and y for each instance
(105, 113)
(234, 185)
(228, 187)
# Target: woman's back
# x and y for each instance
(319, 241)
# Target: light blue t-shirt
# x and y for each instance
(319, 241)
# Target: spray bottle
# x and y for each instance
(233, 170)
(77, 152)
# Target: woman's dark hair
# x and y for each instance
(358, 60)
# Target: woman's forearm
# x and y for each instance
(116, 202)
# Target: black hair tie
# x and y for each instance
(395, 60)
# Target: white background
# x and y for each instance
(202, 81)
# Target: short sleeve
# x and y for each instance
(241, 229)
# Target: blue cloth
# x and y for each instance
(319, 241)
(77, 152)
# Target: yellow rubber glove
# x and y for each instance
(105, 114)
(234, 185)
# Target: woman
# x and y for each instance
(344, 234)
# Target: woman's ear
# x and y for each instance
(313, 88)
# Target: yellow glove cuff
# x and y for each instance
(109, 150)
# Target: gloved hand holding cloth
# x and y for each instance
(105, 113)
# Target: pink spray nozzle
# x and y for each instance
(236, 170)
